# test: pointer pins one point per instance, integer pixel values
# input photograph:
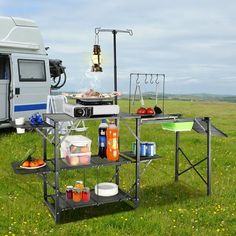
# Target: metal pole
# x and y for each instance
(163, 94)
(208, 155)
(45, 192)
(130, 84)
(114, 32)
(57, 190)
(137, 174)
(177, 156)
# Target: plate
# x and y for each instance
(106, 189)
(33, 168)
(144, 115)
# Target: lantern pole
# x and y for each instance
(114, 32)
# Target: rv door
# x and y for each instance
(4, 87)
(30, 84)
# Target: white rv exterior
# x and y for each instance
(24, 70)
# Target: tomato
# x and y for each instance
(150, 111)
(141, 111)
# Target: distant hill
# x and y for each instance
(183, 97)
(189, 97)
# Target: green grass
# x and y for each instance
(166, 207)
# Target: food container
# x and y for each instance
(79, 184)
(77, 195)
(178, 126)
(20, 131)
(86, 194)
(78, 159)
(106, 189)
(75, 150)
(20, 121)
(69, 192)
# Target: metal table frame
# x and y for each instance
(57, 203)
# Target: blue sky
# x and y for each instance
(192, 42)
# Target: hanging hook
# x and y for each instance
(151, 81)
(156, 81)
(146, 79)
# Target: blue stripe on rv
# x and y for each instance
(30, 107)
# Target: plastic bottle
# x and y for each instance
(102, 140)
(112, 142)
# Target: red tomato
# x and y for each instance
(141, 111)
(150, 111)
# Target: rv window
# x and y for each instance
(31, 70)
(4, 68)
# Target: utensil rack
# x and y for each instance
(154, 79)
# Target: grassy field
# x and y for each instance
(166, 207)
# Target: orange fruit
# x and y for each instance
(33, 164)
(84, 149)
(40, 162)
(26, 164)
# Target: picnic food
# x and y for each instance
(141, 111)
(32, 163)
(93, 94)
(150, 111)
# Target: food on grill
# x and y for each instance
(92, 94)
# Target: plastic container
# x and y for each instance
(106, 189)
(178, 126)
(75, 150)
(102, 140)
(20, 121)
(112, 142)
(20, 131)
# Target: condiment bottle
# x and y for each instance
(86, 194)
(79, 184)
(112, 142)
(69, 192)
(77, 195)
(102, 140)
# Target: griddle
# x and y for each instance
(94, 101)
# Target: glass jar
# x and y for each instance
(69, 192)
(86, 194)
(79, 184)
(77, 195)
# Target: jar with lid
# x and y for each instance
(86, 194)
(77, 195)
(79, 184)
(69, 192)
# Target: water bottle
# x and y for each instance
(112, 142)
(102, 140)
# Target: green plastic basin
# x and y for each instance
(178, 126)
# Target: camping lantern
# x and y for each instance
(96, 59)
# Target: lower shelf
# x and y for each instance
(95, 200)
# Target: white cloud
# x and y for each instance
(192, 42)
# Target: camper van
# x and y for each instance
(25, 70)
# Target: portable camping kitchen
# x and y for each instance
(57, 202)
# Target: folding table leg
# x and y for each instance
(177, 156)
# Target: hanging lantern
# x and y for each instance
(96, 59)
